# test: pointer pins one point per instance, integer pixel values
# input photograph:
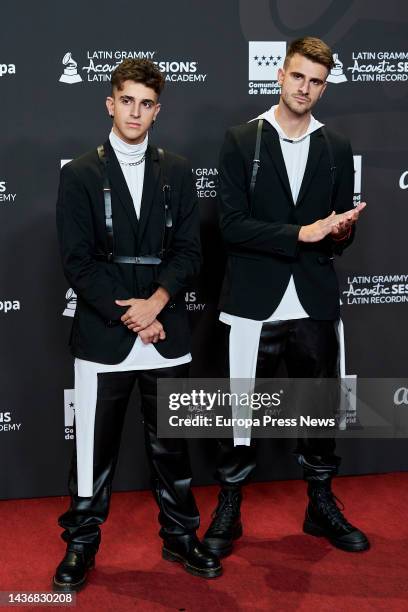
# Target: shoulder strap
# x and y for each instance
(256, 162)
(166, 189)
(332, 166)
(107, 201)
(168, 220)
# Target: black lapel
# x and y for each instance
(315, 151)
(150, 183)
(272, 143)
(119, 186)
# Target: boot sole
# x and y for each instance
(318, 532)
(224, 551)
(168, 555)
(63, 587)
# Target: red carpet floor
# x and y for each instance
(275, 566)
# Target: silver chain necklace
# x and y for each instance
(137, 163)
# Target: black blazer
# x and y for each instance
(263, 248)
(97, 332)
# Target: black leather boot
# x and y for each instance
(325, 518)
(226, 524)
(72, 573)
(188, 550)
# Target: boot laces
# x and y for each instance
(225, 513)
(326, 502)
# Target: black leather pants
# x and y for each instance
(168, 459)
(309, 349)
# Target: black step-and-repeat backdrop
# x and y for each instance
(220, 60)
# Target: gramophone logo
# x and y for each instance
(70, 74)
(70, 308)
(337, 74)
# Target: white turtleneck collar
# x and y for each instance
(132, 163)
(125, 151)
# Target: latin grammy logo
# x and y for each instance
(70, 308)
(70, 74)
(403, 182)
(401, 396)
(337, 74)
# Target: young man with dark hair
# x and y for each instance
(128, 229)
(283, 217)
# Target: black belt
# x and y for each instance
(146, 260)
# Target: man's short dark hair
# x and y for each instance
(313, 49)
(140, 71)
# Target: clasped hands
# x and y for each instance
(141, 314)
(337, 225)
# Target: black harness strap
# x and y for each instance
(168, 221)
(108, 203)
(149, 260)
(255, 163)
(333, 167)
